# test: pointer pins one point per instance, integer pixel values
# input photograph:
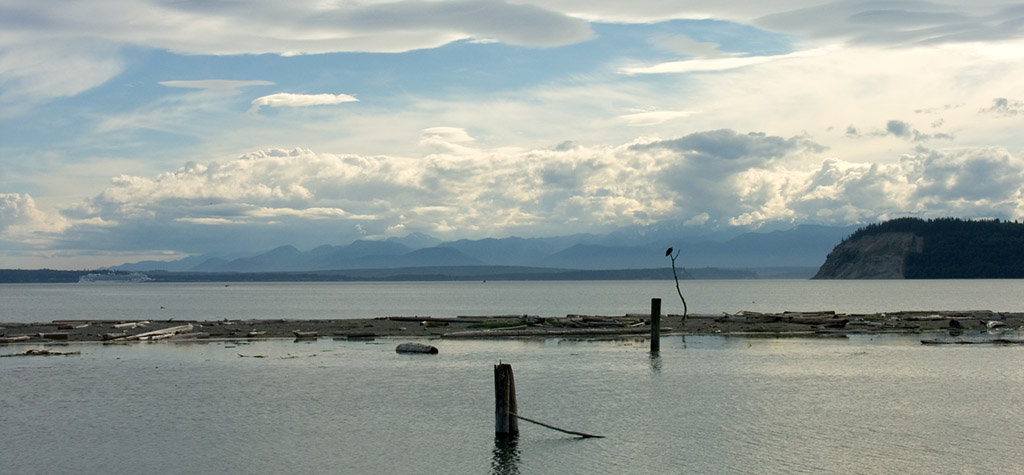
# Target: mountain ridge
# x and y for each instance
(801, 246)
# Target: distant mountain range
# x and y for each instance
(803, 247)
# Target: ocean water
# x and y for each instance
(147, 301)
(704, 404)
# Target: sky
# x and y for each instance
(149, 129)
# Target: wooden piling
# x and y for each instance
(506, 423)
(655, 325)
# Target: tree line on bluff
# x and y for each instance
(955, 248)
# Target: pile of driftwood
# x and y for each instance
(180, 332)
(42, 336)
(43, 353)
(993, 341)
(599, 321)
(571, 325)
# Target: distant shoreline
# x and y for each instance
(418, 274)
(517, 326)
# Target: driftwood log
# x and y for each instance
(994, 341)
(831, 322)
(55, 336)
(43, 353)
(436, 320)
(162, 333)
(416, 348)
(14, 339)
(190, 336)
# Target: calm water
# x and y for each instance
(708, 404)
(41, 302)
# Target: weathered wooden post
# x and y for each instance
(506, 424)
(655, 325)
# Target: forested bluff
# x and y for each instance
(914, 248)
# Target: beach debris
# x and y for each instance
(994, 341)
(190, 336)
(54, 336)
(463, 318)
(150, 335)
(582, 332)
(416, 348)
(828, 320)
(598, 321)
(304, 335)
(128, 325)
(14, 339)
(161, 334)
(34, 352)
(354, 335)
(256, 334)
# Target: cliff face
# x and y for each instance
(879, 256)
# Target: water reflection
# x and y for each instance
(505, 456)
(655, 362)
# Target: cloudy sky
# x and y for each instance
(137, 129)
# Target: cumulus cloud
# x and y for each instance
(22, 223)
(730, 145)
(970, 183)
(284, 99)
(715, 178)
(1004, 107)
(904, 130)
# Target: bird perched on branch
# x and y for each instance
(676, 277)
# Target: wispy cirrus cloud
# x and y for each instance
(215, 84)
(714, 64)
(646, 118)
(65, 47)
